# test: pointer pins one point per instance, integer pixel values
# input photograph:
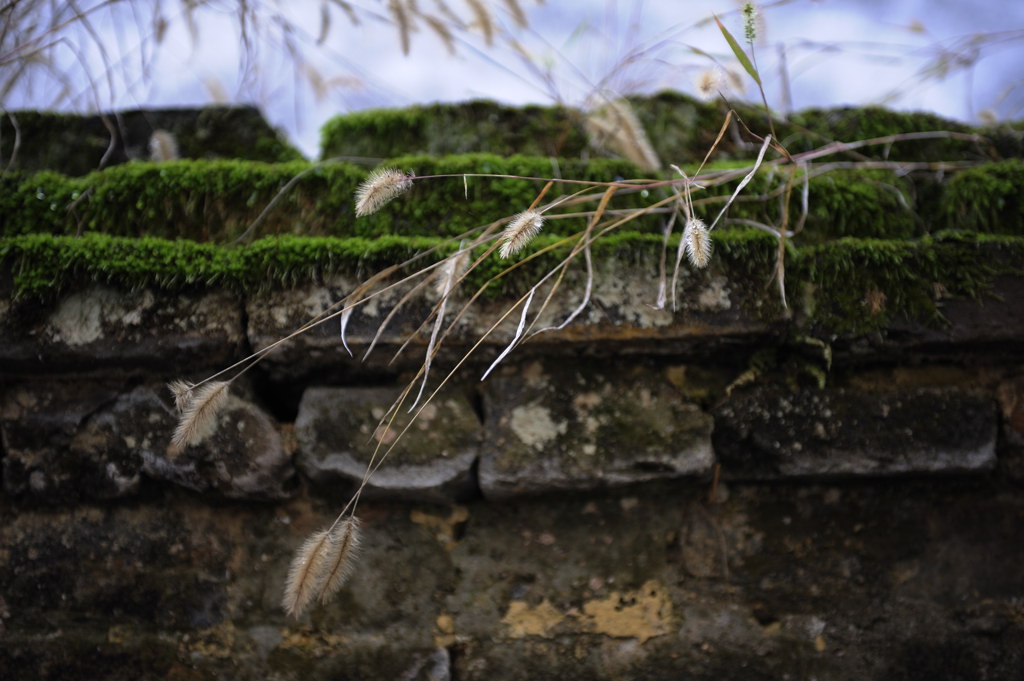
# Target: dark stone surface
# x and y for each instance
(338, 431)
(103, 327)
(772, 432)
(76, 145)
(585, 425)
(70, 442)
(244, 458)
(869, 580)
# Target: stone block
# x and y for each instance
(338, 430)
(621, 316)
(101, 327)
(771, 432)
(66, 442)
(581, 426)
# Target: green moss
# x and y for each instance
(43, 265)
(856, 285)
(860, 285)
(813, 128)
(841, 202)
(452, 206)
(469, 127)
(864, 203)
(76, 145)
(988, 198)
(683, 129)
(219, 200)
(200, 200)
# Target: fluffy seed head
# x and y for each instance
(708, 83)
(698, 242)
(380, 186)
(163, 146)
(199, 408)
(615, 127)
(750, 18)
(321, 566)
(182, 391)
(520, 231)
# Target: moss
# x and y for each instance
(475, 126)
(813, 128)
(841, 202)
(452, 206)
(986, 198)
(219, 200)
(202, 200)
(683, 129)
(857, 285)
(861, 285)
(76, 145)
(43, 265)
(864, 203)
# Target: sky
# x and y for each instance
(809, 53)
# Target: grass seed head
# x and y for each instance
(520, 231)
(380, 187)
(698, 243)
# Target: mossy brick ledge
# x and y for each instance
(220, 200)
(681, 128)
(223, 200)
(988, 198)
(858, 285)
(78, 144)
(442, 129)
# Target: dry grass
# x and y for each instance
(198, 406)
(321, 565)
(438, 275)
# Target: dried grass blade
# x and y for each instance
(516, 10)
(584, 244)
(352, 301)
(441, 31)
(483, 20)
(401, 19)
(743, 183)
(391, 315)
(662, 273)
(449, 273)
(587, 291)
(680, 250)
(519, 334)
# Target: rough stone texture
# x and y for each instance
(620, 317)
(339, 429)
(567, 427)
(992, 324)
(1011, 402)
(51, 433)
(770, 432)
(66, 442)
(907, 580)
(564, 519)
(102, 327)
(243, 458)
